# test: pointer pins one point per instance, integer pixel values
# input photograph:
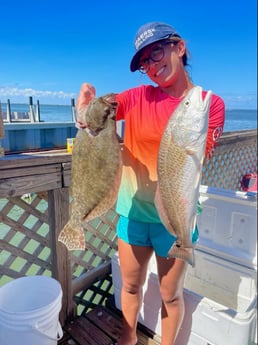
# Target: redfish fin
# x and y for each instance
(186, 254)
(72, 237)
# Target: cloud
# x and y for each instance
(234, 101)
(19, 95)
(22, 95)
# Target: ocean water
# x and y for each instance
(240, 119)
(48, 113)
(236, 119)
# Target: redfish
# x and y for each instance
(96, 169)
(180, 161)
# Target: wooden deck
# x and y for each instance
(101, 326)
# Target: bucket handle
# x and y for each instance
(59, 332)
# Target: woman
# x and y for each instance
(161, 54)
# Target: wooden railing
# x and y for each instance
(34, 206)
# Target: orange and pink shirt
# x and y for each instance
(146, 110)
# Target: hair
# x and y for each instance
(175, 39)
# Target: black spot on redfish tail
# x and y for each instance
(185, 254)
(72, 237)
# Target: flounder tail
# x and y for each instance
(72, 237)
(186, 254)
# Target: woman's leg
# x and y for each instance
(133, 264)
(171, 275)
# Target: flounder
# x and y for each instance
(180, 161)
(96, 169)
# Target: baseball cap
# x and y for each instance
(148, 34)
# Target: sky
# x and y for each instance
(48, 48)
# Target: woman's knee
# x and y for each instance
(132, 288)
(171, 278)
(171, 294)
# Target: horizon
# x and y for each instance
(69, 105)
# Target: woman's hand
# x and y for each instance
(87, 93)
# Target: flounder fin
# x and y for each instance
(185, 254)
(72, 237)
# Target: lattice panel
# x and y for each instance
(226, 169)
(100, 239)
(95, 295)
(24, 240)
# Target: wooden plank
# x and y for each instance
(112, 325)
(67, 166)
(87, 279)
(87, 333)
(105, 320)
(30, 171)
(14, 161)
(67, 174)
(58, 212)
(243, 135)
(67, 178)
(100, 326)
(17, 186)
(67, 340)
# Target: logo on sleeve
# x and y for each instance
(216, 134)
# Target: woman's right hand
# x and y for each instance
(86, 94)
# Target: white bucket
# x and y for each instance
(29, 311)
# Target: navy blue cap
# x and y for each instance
(148, 34)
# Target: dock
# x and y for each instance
(30, 228)
(32, 115)
(102, 326)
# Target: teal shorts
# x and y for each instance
(152, 235)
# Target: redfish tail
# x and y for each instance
(185, 254)
(72, 237)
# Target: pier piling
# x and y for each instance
(74, 114)
(32, 113)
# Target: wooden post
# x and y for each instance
(37, 111)
(32, 114)
(58, 206)
(8, 111)
(74, 115)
